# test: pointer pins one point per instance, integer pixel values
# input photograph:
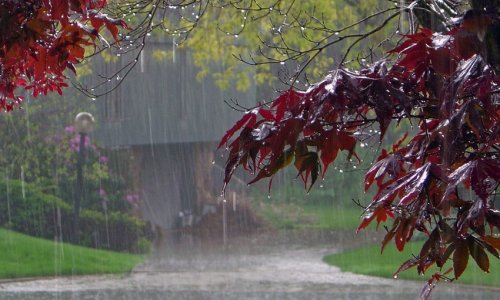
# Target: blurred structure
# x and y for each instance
(171, 124)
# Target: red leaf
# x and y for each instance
(366, 221)
(492, 240)
(331, 142)
(404, 233)
(248, 120)
(285, 102)
(308, 165)
(481, 173)
(388, 237)
(60, 9)
(97, 19)
(478, 254)
(406, 265)
(491, 244)
(386, 165)
(266, 114)
(460, 257)
(442, 60)
(411, 185)
(380, 214)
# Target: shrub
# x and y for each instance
(26, 209)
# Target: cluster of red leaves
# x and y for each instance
(40, 39)
(438, 181)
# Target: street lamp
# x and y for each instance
(84, 124)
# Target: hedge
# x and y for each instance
(28, 210)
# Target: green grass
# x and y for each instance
(296, 216)
(368, 261)
(26, 256)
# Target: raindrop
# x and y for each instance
(395, 276)
(337, 33)
(93, 99)
(213, 162)
(341, 171)
(23, 189)
(268, 196)
(282, 63)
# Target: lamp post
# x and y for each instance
(84, 124)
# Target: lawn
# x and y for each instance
(26, 256)
(368, 261)
(297, 216)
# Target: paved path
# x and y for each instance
(264, 267)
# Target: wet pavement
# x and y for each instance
(272, 265)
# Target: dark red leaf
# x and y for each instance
(460, 257)
(483, 174)
(389, 235)
(366, 221)
(266, 114)
(477, 252)
(386, 165)
(493, 241)
(406, 265)
(285, 102)
(248, 120)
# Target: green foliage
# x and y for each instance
(125, 233)
(226, 33)
(26, 209)
(43, 150)
(52, 258)
(368, 261)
